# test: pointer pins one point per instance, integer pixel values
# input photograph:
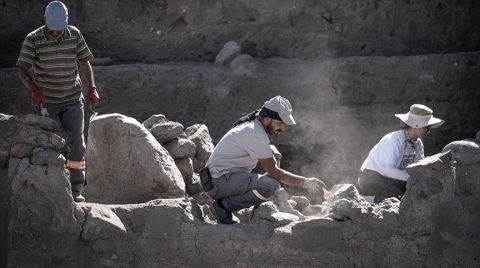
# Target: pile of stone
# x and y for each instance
(156, 159)
(190, 147)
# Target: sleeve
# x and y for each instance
(258, 148)
(27, 53)
(83, 52)
(389, 152)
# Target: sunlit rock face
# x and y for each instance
(127, 164)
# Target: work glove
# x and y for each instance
(37, 95)
(92, 96)
(314, 185)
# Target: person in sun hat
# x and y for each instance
(54, 52)
(227, 177)
(383, 172)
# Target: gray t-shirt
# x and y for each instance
(239, 150)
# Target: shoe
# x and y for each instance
(223, 215)
(78, 197)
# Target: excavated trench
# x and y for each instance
(347, 67)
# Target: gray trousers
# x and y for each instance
(243, 190)
(373, 183)
(71, 118)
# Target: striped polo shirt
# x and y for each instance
(54, 64)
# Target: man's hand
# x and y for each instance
(92, 96)
(314, 185)
(37, 95)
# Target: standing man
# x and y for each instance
(54, 52)
(239, 151)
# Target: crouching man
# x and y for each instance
(233, 186)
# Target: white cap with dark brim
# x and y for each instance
(283, 107)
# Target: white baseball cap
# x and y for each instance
(283, 107)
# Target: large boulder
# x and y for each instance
(200, 135)
(126, 164)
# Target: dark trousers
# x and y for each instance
(243, 190)
(373, 183)
(71, 118)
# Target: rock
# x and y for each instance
(477, 137)
(429, 187)
(345, 191)
(185, 166)
(47, 157)
(37, 137)
(301, 202)
(21, 150)
(319, 223)
(269, 212)
(102, 223)
(244, 215)
(204, 146)
(281, 195)
(193, 186)
(229, 51)
(154, 119)
(244, 65)
(466, 152)
(167, 131)
(315, 211)
(123, 155)
(45, 123)
(181, 148)
(35, 188)
(346, 209)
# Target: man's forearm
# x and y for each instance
(288, 178)
(25, 77)
(87, 71)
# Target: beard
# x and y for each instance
(271, 131)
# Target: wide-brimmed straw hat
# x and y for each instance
(420, 116)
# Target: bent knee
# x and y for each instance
(269, 188)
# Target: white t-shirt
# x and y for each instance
(392, 154)
(239, 150)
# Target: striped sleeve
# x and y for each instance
(83, 52)
(27, 53)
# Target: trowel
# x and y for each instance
(327, 195)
